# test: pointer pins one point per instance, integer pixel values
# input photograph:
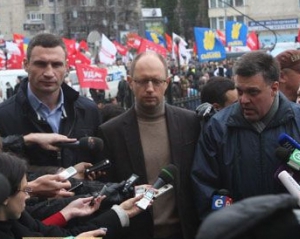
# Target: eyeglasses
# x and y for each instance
(25, 190)
(145, 83)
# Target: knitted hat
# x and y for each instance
(289, 59)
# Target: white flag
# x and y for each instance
(107, 53)
(13, 48)
(183, 53)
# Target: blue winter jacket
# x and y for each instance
(232, 155)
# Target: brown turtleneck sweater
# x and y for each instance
(156, 149)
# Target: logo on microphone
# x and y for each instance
(219, 201)
(294, 159)
(296, 155)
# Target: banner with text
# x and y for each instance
(91, 77)
(209, 47)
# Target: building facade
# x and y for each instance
(274, 21)
(110, 17)
(68, 18)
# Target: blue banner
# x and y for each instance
(236, 33)
(155, 37)
(209, 47)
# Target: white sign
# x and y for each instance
(277, 24)
(151, 12)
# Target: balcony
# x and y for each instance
(33, 3)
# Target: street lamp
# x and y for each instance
(5, 51)
(177, 42)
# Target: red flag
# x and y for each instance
(147, 45)
(82, 59)
(222, 37)
(91, 77)
(83, 45)
(2, 60)
(169, 42)
(78, 58)
(18, 39)
(15, 62)
(120, 48)
(70, 45)
(252, 41)
(195, 48)
(298, 37)
(133, 40)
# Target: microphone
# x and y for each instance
(166, 176)
(85, 143)
(288, 142)
(290, 156)
(104, 164)
(128, 187)
(221, 199)
(284, 167)
(290, 184)
(4, 188)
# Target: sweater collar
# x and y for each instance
(155, 113)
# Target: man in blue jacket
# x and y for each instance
(236, 149)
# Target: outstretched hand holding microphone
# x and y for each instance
(166, 176)
(84, 169)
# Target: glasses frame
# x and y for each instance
(144, 83)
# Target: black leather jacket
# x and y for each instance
(17, 117)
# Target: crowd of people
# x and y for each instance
(228, 143)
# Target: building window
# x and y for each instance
(83, 2)
(239, 3)
(35, 16)
(212, 3)
(90, 3)
(230, 2)
(221, 3)
(230, 18)
(221, 24)
(217, 23)
(33, 2)
(213, 23)
(240, 19)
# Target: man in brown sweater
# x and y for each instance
(149, 136)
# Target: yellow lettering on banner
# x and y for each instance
(235, 43)
(211, 55)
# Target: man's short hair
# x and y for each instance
(214, 91)
(256, 62)
(46, 40)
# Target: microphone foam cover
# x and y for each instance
(283, 154)
(91, 143)
(168, 173)
(223, 192)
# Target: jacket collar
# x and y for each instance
(70, 94)
(283, 114)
